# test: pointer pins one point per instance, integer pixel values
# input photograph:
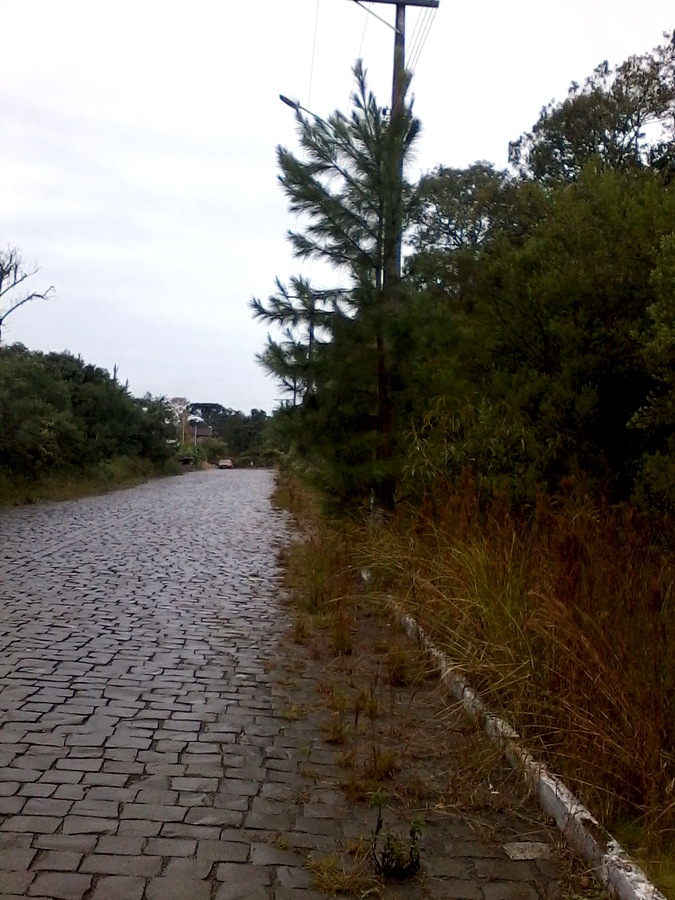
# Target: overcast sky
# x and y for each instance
(137, 152)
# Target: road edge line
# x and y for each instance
(611, 864)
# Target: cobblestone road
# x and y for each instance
(143, 751)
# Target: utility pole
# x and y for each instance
(397, 93)
(399, 46)
(393, 240)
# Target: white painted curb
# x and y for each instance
(612, 865)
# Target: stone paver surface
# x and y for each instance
(146, 745)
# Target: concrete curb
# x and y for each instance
(611, 864)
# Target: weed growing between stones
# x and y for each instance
(396, 859)
(438, 767)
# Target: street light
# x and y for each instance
(195, 420)
(294, 104)
(298, 107)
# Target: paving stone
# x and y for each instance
(156, 797)
(14, 882)
(89, 825)
(444, 867)
(38, 789)
(154, 733)
(61, 885)
(41, 806)
(509, 890)
(453, 889)
(243, 882)
(35, 824)
(204, 816)
(139, 828)
(80, 765)
(120, 846)
(116, 794)
(504, 869)
(169, 847)
(10, 806)
(193, 869)
(281, 892)
(268, 855)
(105, 864)
(118, 887)
(209, 785)
(58, 861)
(152, 812)
(15, 858)
(241, 891)
(74, 843)
(66, 791)
(198, 832)
(62, 776)
(225, 851)
(177, 888)
(294, 877)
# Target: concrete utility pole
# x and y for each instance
(393, 265)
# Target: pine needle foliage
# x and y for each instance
(339, 351)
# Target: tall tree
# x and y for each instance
(347, 186)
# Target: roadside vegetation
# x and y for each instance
(69, 428)
(503, 414)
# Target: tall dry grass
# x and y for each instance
(565, 623)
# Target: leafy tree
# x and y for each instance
(461, 213)
(558, 320)
(621, 116)
(59, 413)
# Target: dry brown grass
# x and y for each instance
(563, 622)
(565, 625)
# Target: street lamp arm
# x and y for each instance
(294, 104)
(298, 107)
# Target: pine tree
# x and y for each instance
(303, 314)
(347, 186)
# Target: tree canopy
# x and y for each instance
(530, 339)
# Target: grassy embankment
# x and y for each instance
(67, 485)
(564, 622)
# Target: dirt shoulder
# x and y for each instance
(384, 742)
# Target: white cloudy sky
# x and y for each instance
(137, 152)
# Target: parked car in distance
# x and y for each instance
(225, 464)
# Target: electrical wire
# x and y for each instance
(414, 50)
(430, 25)
(311, 70)
(413, 63)
(359, 56)
(417, 33)
(363, 37)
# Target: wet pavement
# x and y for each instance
(147, 751)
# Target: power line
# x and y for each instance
(415, 53)
(413, 63)
(417, 33)
(311, 71)
(363, 37)
(359, 56)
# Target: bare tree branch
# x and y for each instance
(12, 275)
